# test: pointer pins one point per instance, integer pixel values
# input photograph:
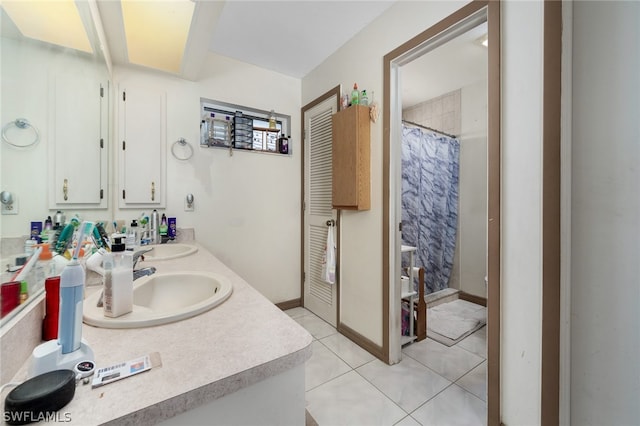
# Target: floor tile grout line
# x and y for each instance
(338, 355)
(427, 367)
(408, 414)
(465, 375)
(433, 397)
(359, 374)
(328, 381)
(382, 392)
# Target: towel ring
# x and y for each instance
(22, 124)
(182, 142)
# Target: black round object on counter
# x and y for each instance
(39, 397)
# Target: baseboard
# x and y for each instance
(363, 342)
(289, 304)
(472, 298)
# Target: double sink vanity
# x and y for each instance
(228, 355)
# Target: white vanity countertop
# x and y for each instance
(236, 344)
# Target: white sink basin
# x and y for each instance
(164, 298)
(169, 251)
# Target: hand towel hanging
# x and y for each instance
(328, 273)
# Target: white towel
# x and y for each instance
(328, 273)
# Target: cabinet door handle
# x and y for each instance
(65, 189)
(153, 191)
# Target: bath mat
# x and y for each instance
(450, 322)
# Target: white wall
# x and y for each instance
(472, 232)
(247, 206)
(521, 281)
(360, 60)
(26, 93)
(605, 214)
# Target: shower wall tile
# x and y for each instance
(437, 107)
(442, 113)
(448, 122)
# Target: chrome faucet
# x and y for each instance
(139, 254)
(143, 272)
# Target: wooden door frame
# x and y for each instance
(332, 92)
(494, 176)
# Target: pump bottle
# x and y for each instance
(118, 283)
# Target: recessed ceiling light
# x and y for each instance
(57, 22)
(157, 32)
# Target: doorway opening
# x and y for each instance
(479, 14)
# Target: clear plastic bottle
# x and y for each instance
(118, 293)
(355, 95)
(272, 120)
(364, 99)
(133, 238)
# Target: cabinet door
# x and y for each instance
(78, 169)
(142, 147)
(351, 168)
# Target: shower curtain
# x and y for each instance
(430, 170)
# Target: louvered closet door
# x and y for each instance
(319, 297)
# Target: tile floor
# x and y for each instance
(432, 385)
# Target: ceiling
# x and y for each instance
(289, 37)
(459, 62)
(294, 37)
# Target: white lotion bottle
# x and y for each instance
(107, 283)
(118, 291)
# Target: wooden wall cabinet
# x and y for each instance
(351, 188)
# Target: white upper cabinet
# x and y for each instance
(78, 150)
(141, 147)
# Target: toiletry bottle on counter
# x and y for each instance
(59, 219)
(171, 232)
(163, 226)
(118, 281)
(154, 227)
(52, 308)
(24, 292)
(133, 238)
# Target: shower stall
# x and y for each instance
(430, 179)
